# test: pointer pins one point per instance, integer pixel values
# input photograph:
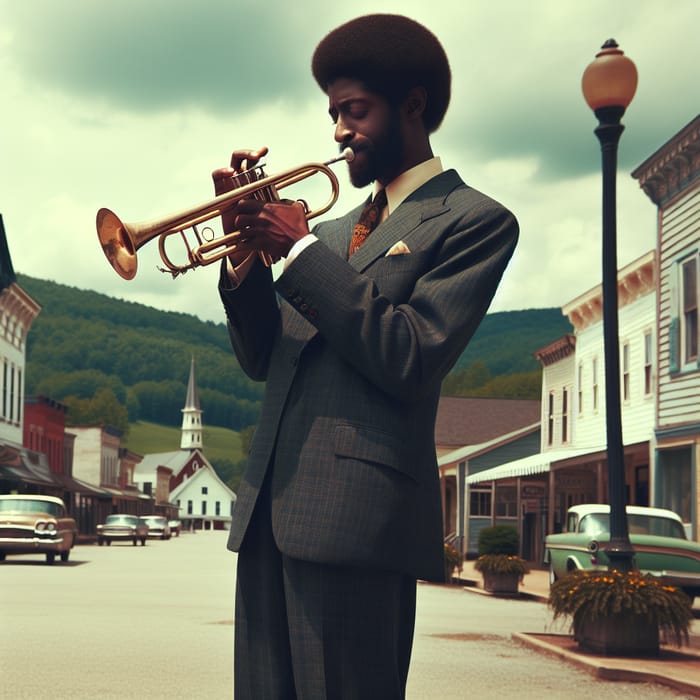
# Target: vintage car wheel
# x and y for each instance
(50, 556)
(2, 556)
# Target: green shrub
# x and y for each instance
(500, 539)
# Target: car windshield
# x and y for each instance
(595, 524)
(153, 520)
(121, 520)
(20, 505)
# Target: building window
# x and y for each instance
(480, 502)
(506, 502)
(626, 372)
(675, 481)
(595, 383)
(148, 487)
(689, 310)
(11, 401)
(205, 490)
(4, 388)
(579, 383)
(647, 364)
(204, 507)
(189, 507)
(550, 418)
(564, 415)
(217, 508)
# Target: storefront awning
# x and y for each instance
(18, 464)
(526, 466)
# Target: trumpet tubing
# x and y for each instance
(121, 241)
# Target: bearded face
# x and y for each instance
(371, 126)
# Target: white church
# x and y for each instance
(203, 500)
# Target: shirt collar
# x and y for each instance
(408, 182)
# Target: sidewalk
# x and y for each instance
(673, 667)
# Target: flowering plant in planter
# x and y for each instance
(501, 564)
(452, 559)
(593, 596)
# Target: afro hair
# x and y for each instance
(390, 54)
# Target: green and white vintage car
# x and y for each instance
(657, 536)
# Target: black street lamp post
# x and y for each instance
(608, 84)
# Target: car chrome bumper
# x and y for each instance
(30, 544)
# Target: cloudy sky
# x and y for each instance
(130, 105)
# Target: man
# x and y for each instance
(339, 510)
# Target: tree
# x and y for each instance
(463, 382)
(102, 409)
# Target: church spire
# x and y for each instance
(191, 434)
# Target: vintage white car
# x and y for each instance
(122, 526)
(34, 524)
(158, 526)
(657, 536)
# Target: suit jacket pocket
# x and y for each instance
(396, 275)
(371, 445)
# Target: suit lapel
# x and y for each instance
(426, 203)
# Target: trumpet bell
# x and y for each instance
(116, 243)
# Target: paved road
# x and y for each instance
(156, 622)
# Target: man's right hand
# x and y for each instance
(225, 180)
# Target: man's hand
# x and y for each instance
(272, 227)
(225, 180)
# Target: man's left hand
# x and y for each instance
(272, 227)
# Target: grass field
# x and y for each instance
(218, 443)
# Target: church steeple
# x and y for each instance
(191, 437)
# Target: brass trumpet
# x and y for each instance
(120, 241)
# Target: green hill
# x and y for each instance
(219, 443)
(118, 362)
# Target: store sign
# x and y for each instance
(532, 491)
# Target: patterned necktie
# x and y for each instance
(369, 218)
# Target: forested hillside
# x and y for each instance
(118, 362)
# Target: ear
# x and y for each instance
(414, 103)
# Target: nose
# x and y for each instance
(342, 134)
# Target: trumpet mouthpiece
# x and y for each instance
(346, 154)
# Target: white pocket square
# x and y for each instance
(399, 248)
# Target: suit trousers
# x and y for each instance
(310, 631)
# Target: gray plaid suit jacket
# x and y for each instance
(353, 354)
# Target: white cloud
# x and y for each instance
(80, 133)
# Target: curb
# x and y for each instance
(473, 587)
(598, 668)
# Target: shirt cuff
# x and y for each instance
(300, 245)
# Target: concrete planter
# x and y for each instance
(506, 584)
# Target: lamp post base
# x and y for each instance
(621, 556)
